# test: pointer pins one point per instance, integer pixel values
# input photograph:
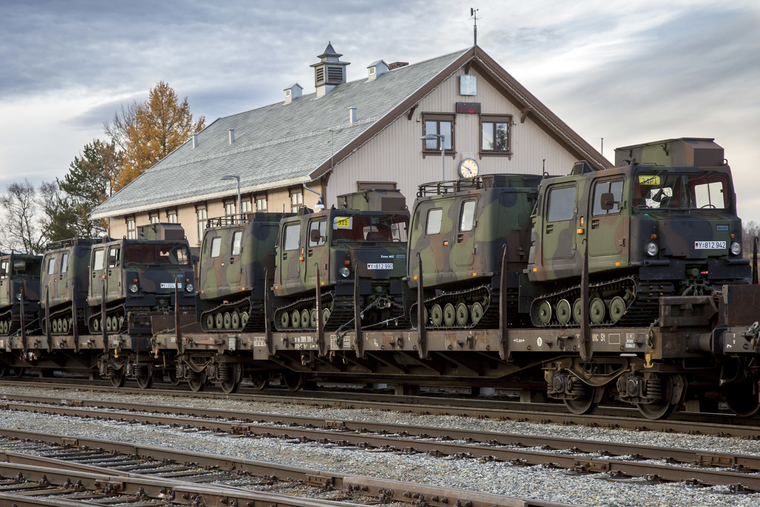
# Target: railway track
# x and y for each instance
(43, 469)
(614, 459)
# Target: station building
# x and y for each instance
(349, 136)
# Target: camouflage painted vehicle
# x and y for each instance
(664, 226)
(65, 280)
(236, 257)
(138, 276)
(341, 244)
(459, 231)
(19, 272)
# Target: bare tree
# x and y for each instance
(123, 120)
(20, 227)
(751, 230)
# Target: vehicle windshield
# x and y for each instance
(660, 190)
(21, 267)
(389, 228)
(147, 253)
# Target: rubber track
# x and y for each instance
(81, 323)
(255, 309)
(16, 322)
(109, 313)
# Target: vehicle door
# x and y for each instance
(5, 282)
(49, 280)
(233, 261)
(97, 263)
(608, 229)
(558, 236)
(463, 246)
(317, 252)
(113, 276)
(288, 257)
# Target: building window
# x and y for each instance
(296, 200)
(171, 216)
(229, 208)
(154, 217)
(131, 228)
(202, 216)
(494, 134)
(245, 206)
(261, 203)
(438, 124)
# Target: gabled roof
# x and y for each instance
(289, 144)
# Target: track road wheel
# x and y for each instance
(96, 324)
(294, 380)
(564, 312)
(463, 314)
(587, 402)
(198, 382)
(449, 314)
(284, 320)
(542, 313)
(65, 325)
(673, 388)
(305, 318)
(476, 313)
(108, 325)
(617, 308)
(218, 320)
(295, 319)
(235, 320)
(313, 318)
(209, 321)
(227, 320)
(436, 315)
(243, 319)
(260, 380)
(117, 378)
(597, 311)
(578, 311)
(231, 385)
(742, 398)
(325, 316)
(55, 326)
(144, 379)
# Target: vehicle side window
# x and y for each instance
(113, 257)
(292, 234)
(65, 263)
(237, 241)
(467, 219)
(615, 188)
(561, 204)
(51, 266)
(4, 269)
(317, 233)
(216, 246)
(97, 263)
(434, 218)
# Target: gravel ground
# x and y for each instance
(494, 477)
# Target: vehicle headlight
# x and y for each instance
(651, 249)
(344, 272)
(736, 248)
(133, 288)
(189, 287)
(18, 296)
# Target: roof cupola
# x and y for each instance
(329, 72)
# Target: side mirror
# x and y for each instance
(111, 260)
(315, 236)
(608, 201)
(195, 260)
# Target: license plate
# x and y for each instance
(170, 285)
(380, 265)
(709, 245)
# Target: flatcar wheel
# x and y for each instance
(662, 408)
(284, 320)
(260, 380)
(564, 311)
(145, 377)
(436, 315)
(597, 311)
(476, 313)
(172, 374)
(294, 380)
(295, 319)
(577, 311)
(742, 398)
(463, 314)
(3, 370)
(198, 382)
(243, 319)
(18, 372)
(235, 320)
(313, 318)
(305, 318)
(586, 403)
(617, 308)
(210, 321)
(449, 314)
(227, 320)
(218, 320)
(117, 378)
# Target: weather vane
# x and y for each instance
(474, 15)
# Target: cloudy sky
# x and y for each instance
(626, 71)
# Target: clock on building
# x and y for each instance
(468, 168)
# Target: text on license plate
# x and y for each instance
(709, 245)
(380, 265)
(170, 285)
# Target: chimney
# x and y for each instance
(352, 115)
(232, 136)
(292, 92)
(195, 140)
(376, 69)
(396, 65)
(329, 72)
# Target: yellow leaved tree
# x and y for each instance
(148, 132)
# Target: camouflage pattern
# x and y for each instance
(19, 272)
(138, 275)
(373, 200)
(65, 276)
(459, 230)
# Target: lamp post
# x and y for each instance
(237, 178)
(433, 137)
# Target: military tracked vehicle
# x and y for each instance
(138, 276)
(64, 284)
(19, 280)
(459, 233)
(236, 266)
(340, 247)
(662, 223)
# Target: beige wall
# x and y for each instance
(395, 154)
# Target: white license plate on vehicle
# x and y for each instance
(170, 285)
(380, 265)
(709, 245)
